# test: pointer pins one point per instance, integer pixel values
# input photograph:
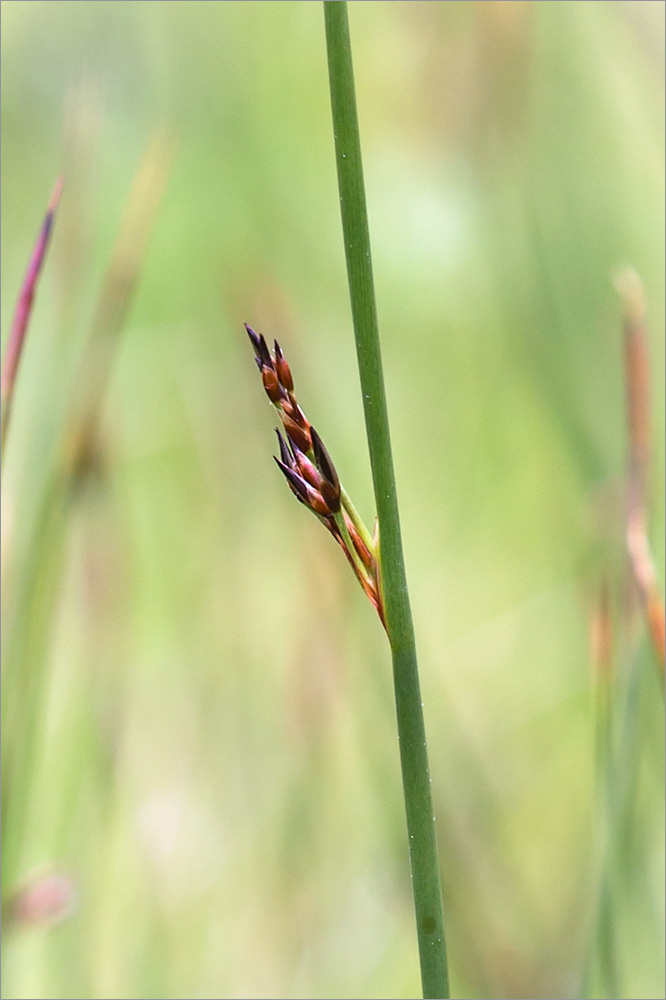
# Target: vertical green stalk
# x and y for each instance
(411, 728)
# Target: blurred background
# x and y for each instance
(204, 793)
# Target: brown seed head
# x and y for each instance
(311, 475)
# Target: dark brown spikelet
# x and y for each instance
(319, 505)
(262, 354)
(296, 434)
(271, 385)
(289, 408)
(330, 485)
(285, 454)
(305, 467)
(298, 486)
(323, 459)
(254, 338)
(309, 496)
(283, 370)
(331, 496)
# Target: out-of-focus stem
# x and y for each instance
(602, 961)
(24, 657)
(637, 379)
(115, 297)
(637, 382)
(617, 762)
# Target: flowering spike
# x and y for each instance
(310, 473)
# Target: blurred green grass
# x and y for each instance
(218, 769)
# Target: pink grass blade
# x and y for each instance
(23, 310)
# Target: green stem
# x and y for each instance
(355, 518)
(411, 727)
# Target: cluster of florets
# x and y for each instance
(310, 473)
